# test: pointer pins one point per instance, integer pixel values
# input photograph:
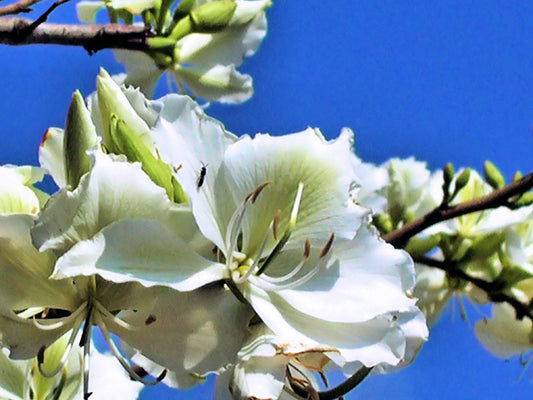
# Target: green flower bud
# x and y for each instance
(493, 176)
(383, 223)
(420, 247)
(525, 200)
(213, 16)
(449, 173)
(183, 9)
(461, 181)
(111, 100)
(517, 176)
(125, 141)
(161, 43)
(80, 136)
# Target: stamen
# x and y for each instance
(68, 347)
(275, 224)
(122, 360)
(307, 249)
(271, 284)
(234, 228)
(327, 246)
(256, 192)
(60, 324)
(292, 222)
(102, 310)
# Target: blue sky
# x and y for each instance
(441, 81)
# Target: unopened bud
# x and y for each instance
(493, 176)
(80, 136)
(213, 16)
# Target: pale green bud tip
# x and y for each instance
(525, 200)
(449, 173)
(493, 176)
(80, 136)
(462, 179)
(213, 16)
(517, 176)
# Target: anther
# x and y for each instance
(275, 224)
(307, 249)
(327, 247)
(150, 319)
(40, 355)
(256, 192)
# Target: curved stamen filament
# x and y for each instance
(260, 253)
(234, 228)
(121, 359)
(105, 312)
(273, 284)
(283, 241)
(63, 322)
(40, 356)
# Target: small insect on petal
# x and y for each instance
(150, 319)
(201, 177)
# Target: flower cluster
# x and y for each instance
(198, 42)
(486, 256)
(203, 252)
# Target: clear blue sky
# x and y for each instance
(440, 80)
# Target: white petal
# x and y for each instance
(194, 332)
(141, 70)
(324, 168)
(228, 47)
(86, 10)
(113, 190)
(504, 335)
(367, 278)
(51, 155)
(140, 250)
(219, 82)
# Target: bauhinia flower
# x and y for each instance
(200, 48)
(22, 379)
(280, 230)
(183, 332)
(504, 335)
(266, 365)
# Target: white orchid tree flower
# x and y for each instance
(203, 64)
(283, 235)
(17, 193)
(185, 333)
(22, 379)
(266, 363)
(504, 335)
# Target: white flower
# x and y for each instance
(184, 332)
(285, 237)
(204, 64)
(504, 335)
(22, 379)
(17, 194)
(265, 363)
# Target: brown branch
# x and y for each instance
(497, 198)
(493, 289)
(17, 31)
(22, 6)
(44, 16)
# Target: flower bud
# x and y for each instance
(112, 100)
(125, 141)
(213, 16)
(493, 176)
(80, 136)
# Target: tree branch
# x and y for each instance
(497, 198)
(493, 289)
(22, 6)
(93, 37)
